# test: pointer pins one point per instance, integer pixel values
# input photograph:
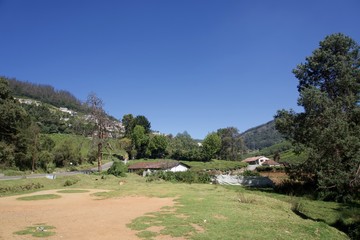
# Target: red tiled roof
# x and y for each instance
(154, 165)
(252, 159)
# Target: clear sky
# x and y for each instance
(194, 65)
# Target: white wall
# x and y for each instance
(179, 168)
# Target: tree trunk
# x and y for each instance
(99, 157)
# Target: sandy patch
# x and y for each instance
(77, 215)
(220, 217)
(198, 228)
(156, 229)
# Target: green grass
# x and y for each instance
(204, 211)
(221, 215)
(38, 230)
(14, 172)
(290, 157)
(79, 142)
(39, 197)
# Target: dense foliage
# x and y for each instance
(24, 140)
(14, 139)
(225, 144)
(211, 146)
(184, 147)
(130, 122)
(329, 127)
(45, 93)
(118, 169)
(232, 144)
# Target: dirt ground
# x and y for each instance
(276, 177)
(76, 215)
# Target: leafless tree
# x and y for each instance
(100, 120)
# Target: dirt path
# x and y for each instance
(76, 215)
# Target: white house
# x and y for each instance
(260, 161)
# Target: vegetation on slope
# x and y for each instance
(46, 93)
(261, 136)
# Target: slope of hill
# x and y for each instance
(261, 136)
(46, 94)
(58, 111)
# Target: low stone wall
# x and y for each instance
(253, 181)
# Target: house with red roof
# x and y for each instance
(261, 161)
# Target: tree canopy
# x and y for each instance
(211, 145)
(232, 144)
(14, 120)
(45, 93)
(329, 127)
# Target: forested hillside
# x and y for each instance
(45, 93)
(261, 136)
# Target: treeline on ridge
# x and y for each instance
(45, 93)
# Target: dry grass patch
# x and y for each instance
(220, 217)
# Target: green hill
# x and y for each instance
(261, 136)
(47, 94)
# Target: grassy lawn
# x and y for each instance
(39, 197)
(205, 211)
(38, 230)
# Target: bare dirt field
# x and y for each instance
(76, 215)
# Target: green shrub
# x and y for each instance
(70, 182)
(270, 169)
(295, 188)
(248, 173)
(118, 169)
(20, 188)
(184, 177)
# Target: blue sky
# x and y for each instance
(187, 65)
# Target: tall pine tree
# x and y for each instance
(329, 127)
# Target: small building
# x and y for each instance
(148, 167)
(271, 163)
(254, 162)
(259, 160)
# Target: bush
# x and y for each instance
(71, 181)
(184, 177)
(118, 169)
(20, 188)
(270, 169)
(248, 173)
(46, 161)
(295, 188)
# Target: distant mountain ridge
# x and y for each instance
(262, 136)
